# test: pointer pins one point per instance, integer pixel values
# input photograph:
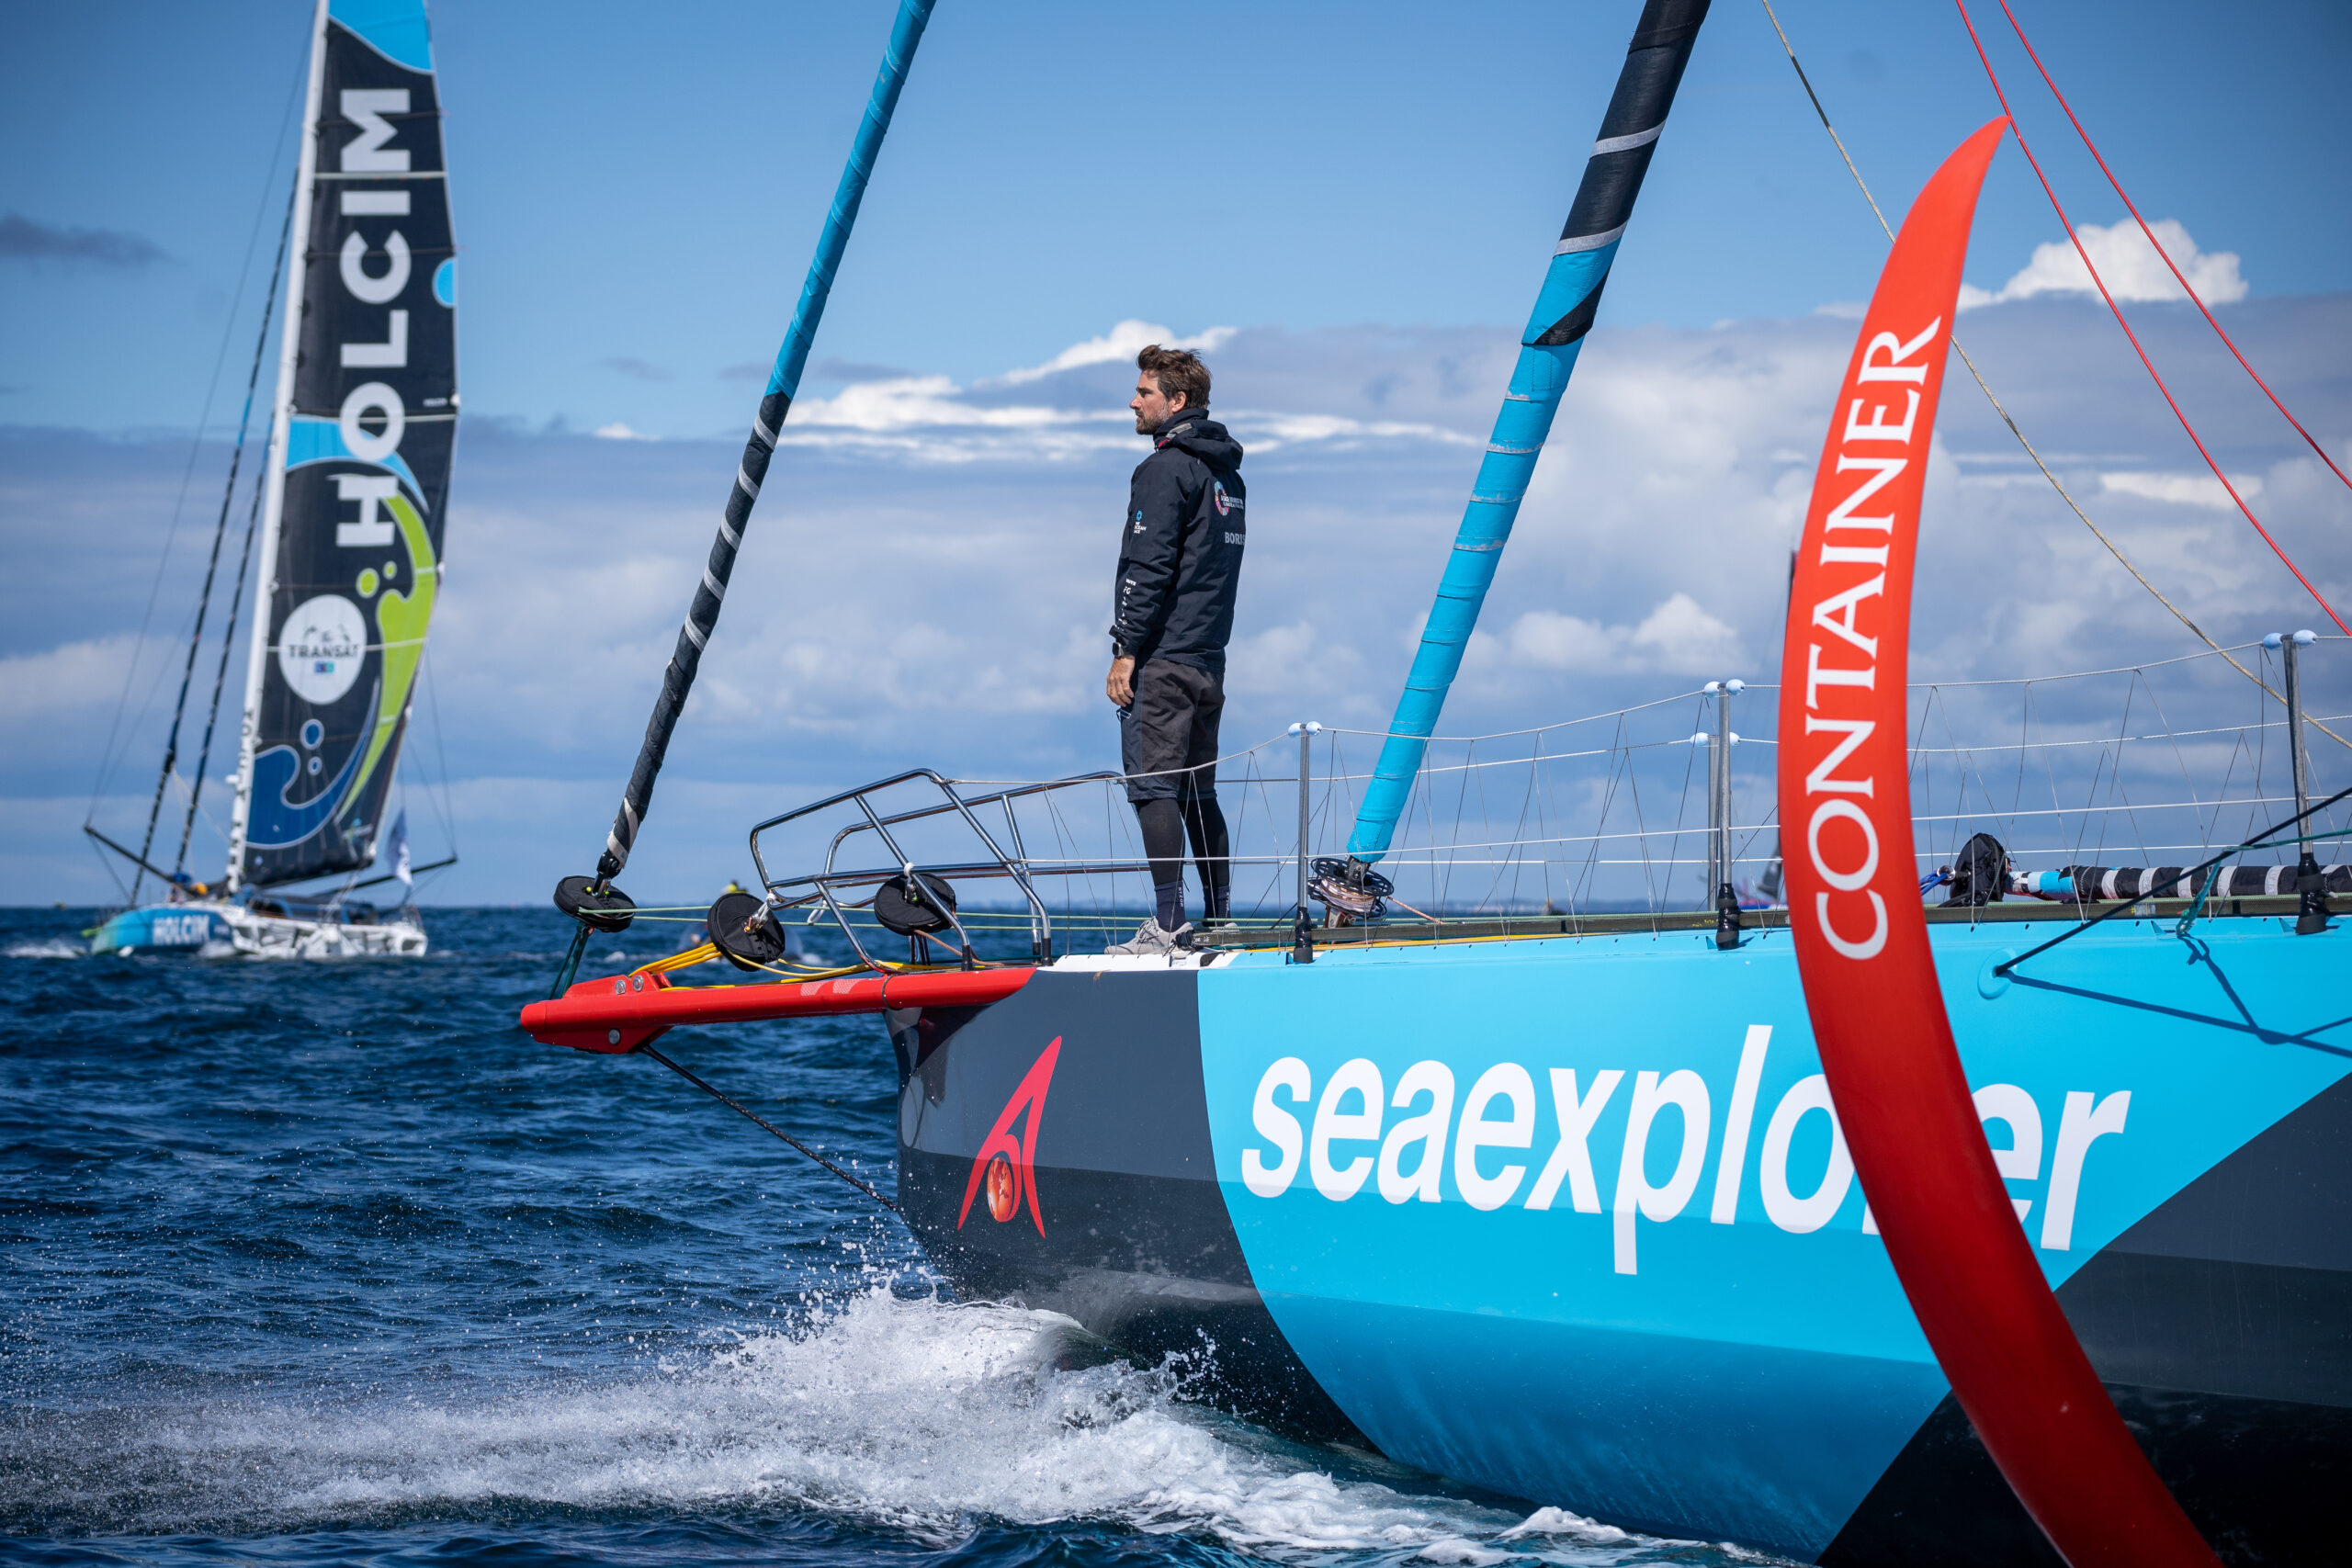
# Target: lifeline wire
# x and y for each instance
(2016, 27)
(755, 1116)
(2016, 131)
(2055, 483)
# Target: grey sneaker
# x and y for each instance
(1153, 941)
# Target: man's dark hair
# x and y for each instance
(1179, 370)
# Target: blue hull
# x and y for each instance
(1699, 1334)
(159, 927)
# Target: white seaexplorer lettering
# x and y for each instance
(1504, 1080)
(1278, 1127)
(1687, 1092)
(2021, 1161)
(2085, 1118)
(1411, 1157)
(1428, 1130)
(1360, 1078)
(1572, 1157)
(1801, 1216)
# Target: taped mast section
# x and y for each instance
(1563, 313)
(594, 899)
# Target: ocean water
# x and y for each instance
(328, 1263)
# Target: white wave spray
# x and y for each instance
(908, 1414)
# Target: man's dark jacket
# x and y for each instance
(1179, 546)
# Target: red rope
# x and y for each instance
(2118, 185)
(2149, 365)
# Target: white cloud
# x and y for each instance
(1687, 641)
(2130, 266)
(72, 681)
(2182, 489)
(930, 419)
(1268, 432)
(1675, 638)
(928, 576)
(616, 431)
(916, 401)
(1124, 340)
(1551, 640)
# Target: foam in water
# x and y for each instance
(53, 947)
(912, 1414)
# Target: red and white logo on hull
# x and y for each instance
(1007, 1162)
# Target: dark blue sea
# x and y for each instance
(329, 1264)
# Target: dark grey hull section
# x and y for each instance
(1135, 1242)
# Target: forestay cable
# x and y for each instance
(758, 447)
(2190, 290)
(1983, 386)
(2149, 365)
(749, 1114)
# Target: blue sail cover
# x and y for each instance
(1548, 348)
(367, 448)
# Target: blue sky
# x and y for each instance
(1354, 202)
(637, 187)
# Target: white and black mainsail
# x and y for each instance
(360, 446)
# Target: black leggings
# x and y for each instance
(1167, 823)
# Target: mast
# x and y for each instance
(1547, 356)
(281, 414)
(584, 896)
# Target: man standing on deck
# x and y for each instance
(1180, 561)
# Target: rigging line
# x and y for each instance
(1998, 407)
(2117, 187)
(1836, 141)
(221, 672)
(219, 535)
(1533, 730)
(106, 757)
(106, 863)
(204, 600)
(756, 1118)
(445, 804)
(2082, 674)
(2114, 310)
(2129, 905)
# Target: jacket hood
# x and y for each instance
(1195, 432)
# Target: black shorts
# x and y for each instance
(1169, 735)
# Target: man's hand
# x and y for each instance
(1120, 684)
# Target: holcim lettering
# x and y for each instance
(368, 153)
